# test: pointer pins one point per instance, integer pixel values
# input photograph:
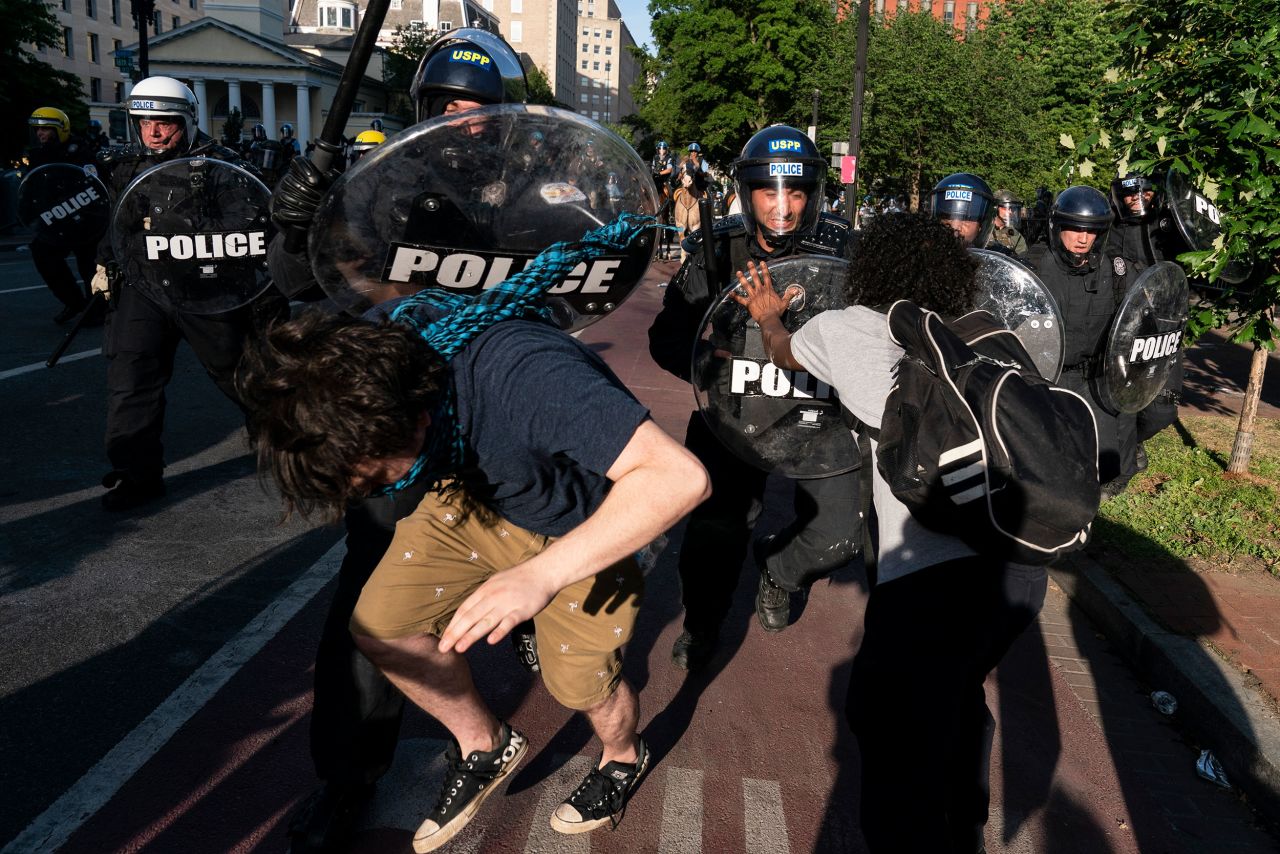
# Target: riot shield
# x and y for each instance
(1199, 223)
(1020, 301)
(776, 420)
(268, 157)
(64, 204)
(1144, 341)
(462, 202)
(193, 234)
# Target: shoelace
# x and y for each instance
(458, 769)
(601, 792)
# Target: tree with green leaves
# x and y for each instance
(408, 45)
(725, 70)
(30, 83)
(1195, 93)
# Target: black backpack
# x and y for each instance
(978, 445)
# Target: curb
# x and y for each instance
(1215, 701)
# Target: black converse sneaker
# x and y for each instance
(468, 783)
(602, 797)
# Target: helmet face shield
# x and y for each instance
(48, 125)
(162, 115)
(1134, 198)
(779, 179)
(965, 203)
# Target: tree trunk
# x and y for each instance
(1242, 448)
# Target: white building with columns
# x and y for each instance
(236, 58)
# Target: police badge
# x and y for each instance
(1117, 264)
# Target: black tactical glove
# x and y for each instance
(299, 193)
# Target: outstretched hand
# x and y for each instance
(755, 292)
(496, 607)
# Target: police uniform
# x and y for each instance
(1087, 297)
(50, 262)
(826, 531)
(1009, 238)
(142, 337)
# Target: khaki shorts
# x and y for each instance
(441, 553)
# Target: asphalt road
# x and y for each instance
(154, 693)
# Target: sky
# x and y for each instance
(636, 14)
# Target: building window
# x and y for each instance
(595, 66)
(608, 50)
(517, 7)
(158, 22)
(608, 66)
(191, 3)
(445, 26)
(584, 65)
(595, 114)
(91, 8)
(597, 48)
(119, 91)
(586, 81)
(949, 12)
(66, 5)
(93, 48)
(582, 98)
(584, 47)
(95, 89)
(517, 31)
(926, 6)
(596, 33)
(585, 32)
(971, 15)
(175, 22)
(67, 49)
(879, 7)
(338, 17)
(395, 4)
(115, 11)
(608, 34)
(595, 97)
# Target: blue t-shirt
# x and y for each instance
(544, 420)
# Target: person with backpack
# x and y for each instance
(941, 613)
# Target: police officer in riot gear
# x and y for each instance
(142, 335)
(1142, 235)
(1008, 220)
(267, 155)
(355, 719)
(365, 142)
(965, 203)
(1088, 284)
(292, 148)
(51, 141)
(780, 177)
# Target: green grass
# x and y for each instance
(1185, 506)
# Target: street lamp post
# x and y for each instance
(143, 11)
(813, 126)
(855, 128)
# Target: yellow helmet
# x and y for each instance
(365, 142)
(51, 117)
(368, 139)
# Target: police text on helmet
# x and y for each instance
(182, 247)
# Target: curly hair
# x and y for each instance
(914, 257)
(325, 393)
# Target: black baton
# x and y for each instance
(709, 261)
(89, 308)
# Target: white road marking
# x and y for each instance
(40, 366)
(681, 813)
(544, 840)
(763, 817)
(99, 785)
(20, 290)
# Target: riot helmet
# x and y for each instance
(468, 64)
(168, 108)
(366, 141)
(694, 147)
(776, 163)
(1083, 211)
(376, 124)
(286, 131)
(95, 126)
(965, 202)
(48, 117)
(1008, 208)
(259, 133)
(1134, 197)
(662, 146)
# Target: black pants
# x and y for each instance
(916, 701)
(355, 721)
(141, 341)
(51, 264)
(823, 537)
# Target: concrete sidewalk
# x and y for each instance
(1210, 639)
